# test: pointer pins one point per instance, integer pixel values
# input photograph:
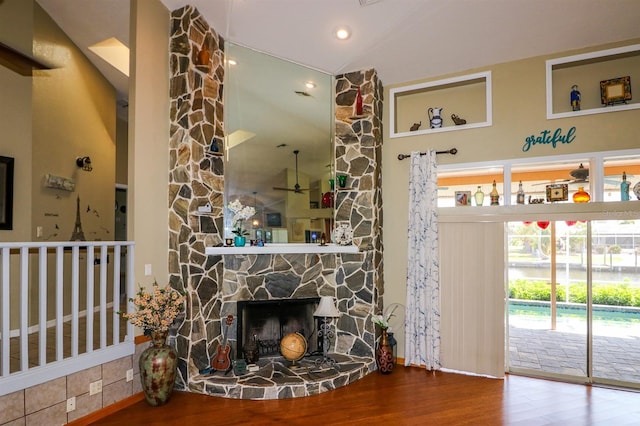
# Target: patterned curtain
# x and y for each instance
(422, 324)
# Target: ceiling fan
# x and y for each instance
(296, 188)
(579, 175)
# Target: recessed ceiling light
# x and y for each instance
(343, 33)
(310, 84)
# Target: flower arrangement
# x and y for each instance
(240, 214)
(156, 310)
(383, 320)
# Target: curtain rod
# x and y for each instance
(452, 151)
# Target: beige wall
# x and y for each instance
(49, 119)
(74, 114)
(16, 26)
(519, 110)
(147, 195)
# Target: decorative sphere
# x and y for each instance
(293, 346)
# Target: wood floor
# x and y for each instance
(408, 396)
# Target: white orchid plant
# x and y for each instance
(383, 320)
(240, 214)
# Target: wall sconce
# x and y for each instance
(84, 163)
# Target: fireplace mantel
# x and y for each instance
(282, 249)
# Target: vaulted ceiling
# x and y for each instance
(403, 40)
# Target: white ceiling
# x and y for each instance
(406, 40)
(403, 40)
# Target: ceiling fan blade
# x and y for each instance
(278, 188)
(551, 183)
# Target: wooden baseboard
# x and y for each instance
(141, 339)
(105, 411)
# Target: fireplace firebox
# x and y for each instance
(268, 321)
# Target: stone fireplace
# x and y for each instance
(215, 283)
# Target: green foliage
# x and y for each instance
(615, 249)
(534, 290)
(603, 294)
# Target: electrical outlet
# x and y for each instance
(71, 404)
(129, 374)
(39, 232)
(95, 387)
(147, 269)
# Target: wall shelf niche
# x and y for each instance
(467, 96)
(586, 71)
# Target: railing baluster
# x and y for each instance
(59, 302)
(130, 290)
(75, 298)
(24, 309)
(42, 302)
(116, 294)
(6, 318)
(103, 296)
(90, 295)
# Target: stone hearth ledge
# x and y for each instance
(282, 249)
(278, 379)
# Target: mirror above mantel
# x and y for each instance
(273, 120)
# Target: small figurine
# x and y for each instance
(214, 147)
(457, 120)
(575, 98)
(415, 126)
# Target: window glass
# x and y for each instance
(536, 178)
(614, 169)
(456, 187)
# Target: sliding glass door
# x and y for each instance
(574, 300)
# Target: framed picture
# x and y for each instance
(463, 198)
(615, 90)
(274, 220)
(6, 192)
(557, 192)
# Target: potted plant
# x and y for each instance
(240, 214)
(155, 312)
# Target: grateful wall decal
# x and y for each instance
(547, 138)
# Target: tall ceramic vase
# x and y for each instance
(158, 366)
(384, 354)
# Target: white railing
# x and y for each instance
(53, 297)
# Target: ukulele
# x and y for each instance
(222, 361)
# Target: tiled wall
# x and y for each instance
(46, 404)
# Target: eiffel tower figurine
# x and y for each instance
(77, 235)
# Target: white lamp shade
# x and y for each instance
(326, 308)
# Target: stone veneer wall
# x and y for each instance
(214, 284)
(196, 179)
(359, 156)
